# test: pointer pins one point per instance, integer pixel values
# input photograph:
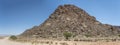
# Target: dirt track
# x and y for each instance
(5, 41)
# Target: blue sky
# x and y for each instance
(18, 15)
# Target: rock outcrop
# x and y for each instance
(70, 18)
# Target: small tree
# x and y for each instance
(13, 37)
(67, 35)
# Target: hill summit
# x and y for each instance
(70, 18)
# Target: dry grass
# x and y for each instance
(77, 43)
(53, 42)
(46, 42)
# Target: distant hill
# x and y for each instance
(2, 35)
(70, 18)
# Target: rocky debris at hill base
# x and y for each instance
(70, 18)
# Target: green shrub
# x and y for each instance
(87, 35)
(67, 35)
(13, 37)
(119, 35)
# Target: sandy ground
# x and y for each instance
(5, 41)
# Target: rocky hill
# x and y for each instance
(70, 18)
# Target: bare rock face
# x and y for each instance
(69, 18)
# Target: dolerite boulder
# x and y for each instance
(69, 18)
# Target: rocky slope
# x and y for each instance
(70, 18)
